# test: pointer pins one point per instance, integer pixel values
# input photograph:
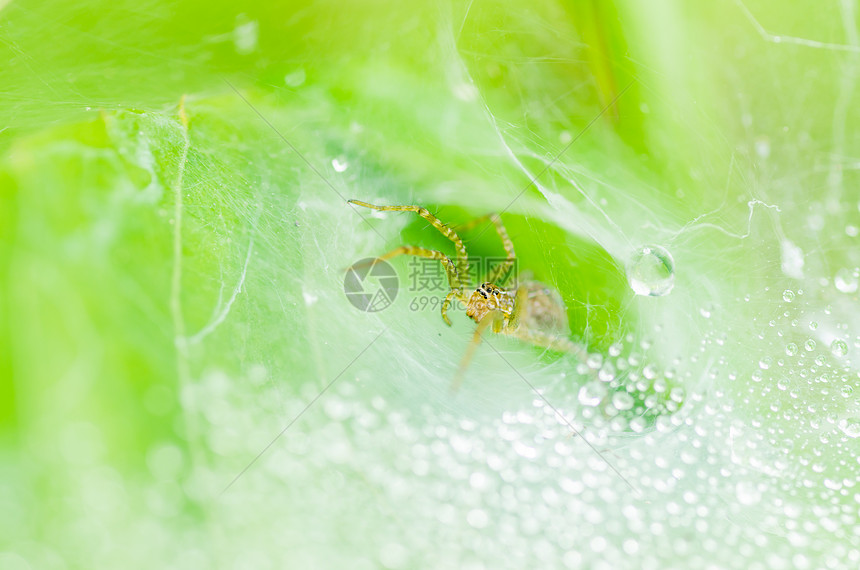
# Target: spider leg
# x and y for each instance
(504, 268)
(462, 256)
(450, 268)
(447, 303)
(519, 302)
(493, 318)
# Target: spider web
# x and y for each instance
(181, 323)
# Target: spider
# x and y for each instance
(530, 311)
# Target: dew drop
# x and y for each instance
(638, 424)
(394, 555)
(309, 298)
(846, 280)
(839, 348)
(747, 493)
(651, 271)
(594, 361)
(788, 295)
(336, 409)
(477, 518)
(295, 78)
(339, 164)
(592, 393)
(622, 401)
(791, 349)
(649, 372)
(762, 146)
(677, 394)
(792, 260)
(850, 427)
(809, 345)
(245, 36)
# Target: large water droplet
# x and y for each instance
(622, 401)
(747, 493)
(592, 393)
(839, 348)
(651, 271)
(846, 280)
(339, 164)
(762, 146)
(792, 260)
(295, 78)
(850, 427)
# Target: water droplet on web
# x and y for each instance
(649, 372)
(747, 493)
(592, 393)
(339, 164)
(309, 298)
(465, 92)
(846, 280)
(839, 348)
(792, 259)
(651, 271)
(762, 146)
(295, 78)
(850, 427)
(393, 555)
(622, 401)
(245, 35)
(336, 409)
(478, 518)
(788, 295)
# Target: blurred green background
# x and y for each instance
(174, 233)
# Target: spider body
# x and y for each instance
(531, 311)
(487, 298)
